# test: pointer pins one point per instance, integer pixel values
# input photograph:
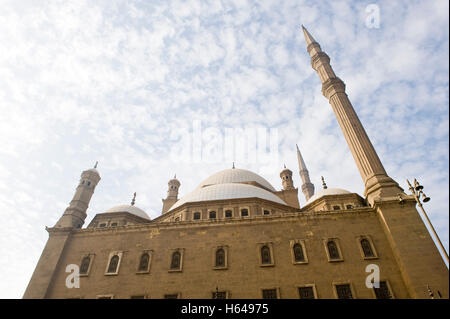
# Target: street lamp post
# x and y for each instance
(418, 193)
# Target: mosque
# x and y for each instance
(236, 236)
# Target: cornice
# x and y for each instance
(155, 228)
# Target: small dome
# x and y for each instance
(227, 191)
(93, 170)
(235, 175)
(128, 209)
(327, 191)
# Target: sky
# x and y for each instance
(151, 89)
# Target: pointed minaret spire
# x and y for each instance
(134, 199)
(307, 186)
(233, 164)
(323, 183)
(377, 182)
(96, 163)
(308, 37)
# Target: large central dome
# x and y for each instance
(231, 184)
(236, 175)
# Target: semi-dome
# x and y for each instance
(235, 175)
(128, 209)
(327, 191)
(227, 191)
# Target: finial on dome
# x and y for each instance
(134, 199)
(284, 165)
(233, 164)
(96, 163)
(175, 176)
(323, 183)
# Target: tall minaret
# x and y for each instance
(405, 231)
(75, 214)
(377, 183)
(307, 186)
(172, 194)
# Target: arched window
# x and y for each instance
(113, 263)
(265, 255)
(176, 258)
(333, 250)
(228, 213)
(212, 215)
(298, 253)
(336, 207)
(220, 258)
(367, 249)
(143, 263)
(85, 265)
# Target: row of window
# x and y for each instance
(298, 254)
(243, 212)
(228, 213)
(341, 291)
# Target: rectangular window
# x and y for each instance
(138, 297)
(269, 294)
(196, 215)
(113, 224)
(383, 292)
(306, 293)
(171, 296)
(244, 212)
(344, 291)
(228, 213)
(266, 212)
(212, 215)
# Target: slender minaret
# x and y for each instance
(307, 186)
(286, 179)
(407, 235)
(75, 214)
(172, 194)
(377, 183)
